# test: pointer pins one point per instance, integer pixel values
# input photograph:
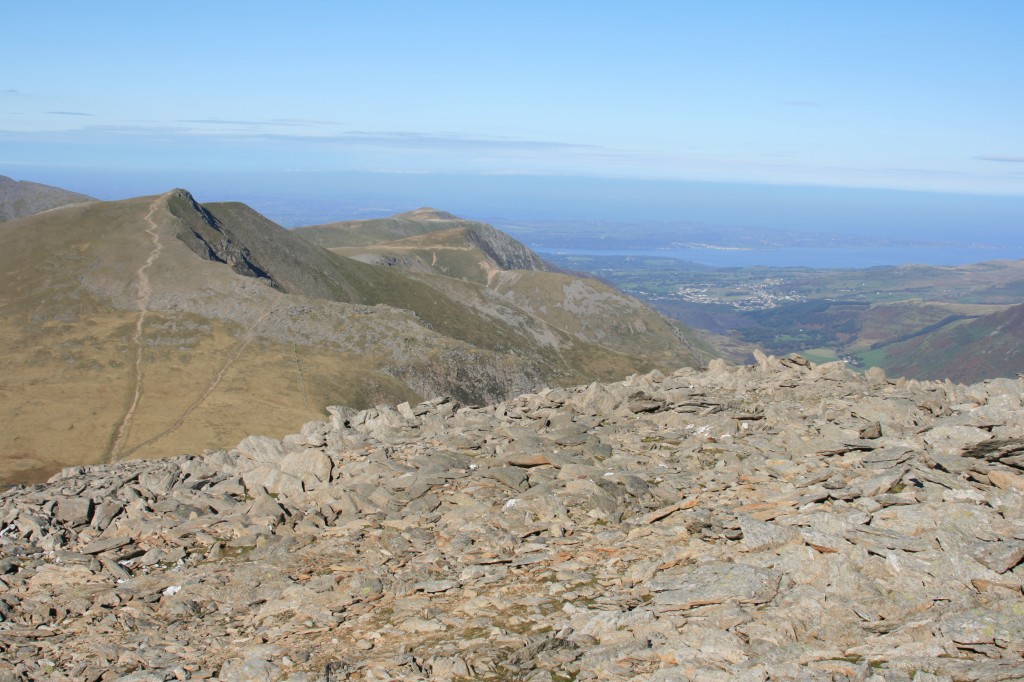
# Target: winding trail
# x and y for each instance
(142, 296)
(210, 387)
(302, 379)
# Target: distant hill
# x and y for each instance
(988, 346)
(425, 232)
(20, 199)
(429, 242)
(155, 326)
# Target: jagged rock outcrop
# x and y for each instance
(777, 522)
(207, 238)
(506, 251)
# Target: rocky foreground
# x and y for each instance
(777, 522)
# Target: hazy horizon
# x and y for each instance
(896, 120)
(905, 222)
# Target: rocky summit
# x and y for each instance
(782, 521)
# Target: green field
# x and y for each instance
(819, 355)
(853, 314)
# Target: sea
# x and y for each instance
(809, 257)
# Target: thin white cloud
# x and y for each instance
(220, 121)
(290, 123)
(445, 148)
(440, 152)
(116, 130)
(68, 113)
(393, 139)
(428, 141)
(1002, 158)
(302, 121)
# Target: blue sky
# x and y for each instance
(898, 95)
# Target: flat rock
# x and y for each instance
(999, 556)
(983, 626)
(526, 459)
(74, 511)
(1006, 480)
(715, 583)
(762, 535)
(105, 545)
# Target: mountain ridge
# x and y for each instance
(203, 321)
(581, 306)
(23, 198)
(427, 213)
(985, 345)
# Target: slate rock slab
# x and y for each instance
(715, 583)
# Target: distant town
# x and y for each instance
(764, 295)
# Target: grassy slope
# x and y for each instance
(377, 231)
(225, 355)
(424, 232)
(584, 309)
(68, 370)
(988, 346)
(20, 199)
(888, 322)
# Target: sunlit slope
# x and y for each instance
(592, 311)
(19, 198)
(156, 326)
(988, 346)
(426, 242)
(378, 230)
(222, 354)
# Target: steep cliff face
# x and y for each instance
(779, 522)
(207, 238)
(506, 252)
